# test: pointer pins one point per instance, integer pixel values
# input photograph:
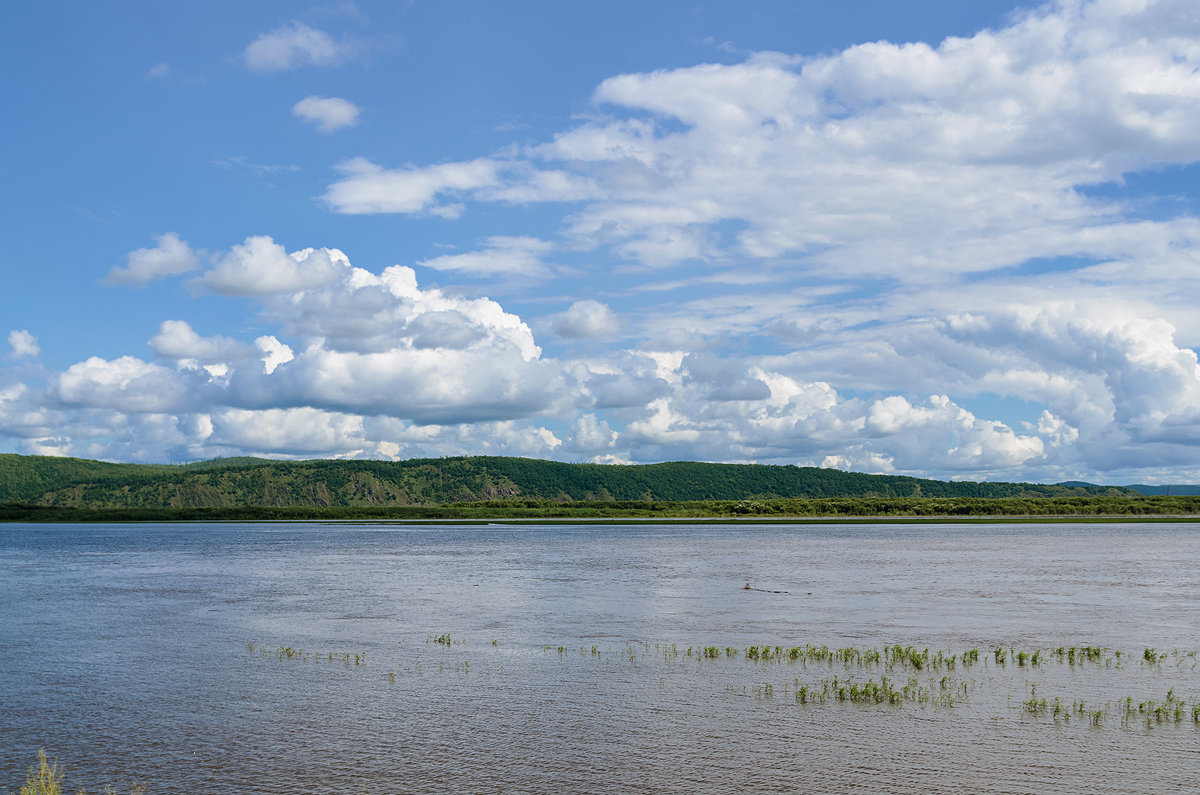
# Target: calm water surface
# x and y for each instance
(124, 652)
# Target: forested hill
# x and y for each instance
(1179, 490)
(235, 482)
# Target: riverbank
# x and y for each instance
(952, 509)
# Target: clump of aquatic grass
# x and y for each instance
(1034, 705)
(894, 675)
(942, 692)
(908, 657)
(1171, 709)
(283, 653)
(889, 657)
(897, 656)
(1077, 655)
(767, 690)
(1092, 713)
(46, 779)
(871, 692)
(1058, 709)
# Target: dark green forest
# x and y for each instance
(481, 487)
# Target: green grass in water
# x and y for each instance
(47, 779)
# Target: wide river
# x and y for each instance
(330, 658)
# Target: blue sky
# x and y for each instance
(936, 238)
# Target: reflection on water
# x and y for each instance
(123, 651)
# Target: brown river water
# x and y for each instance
(346, 658)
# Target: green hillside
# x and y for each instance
(223, 483)
(1179, 490)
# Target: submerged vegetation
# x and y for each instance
(893, 676)
(1087, 686)
(46, 779)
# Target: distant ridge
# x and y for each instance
(1174, 490)
(238, 482)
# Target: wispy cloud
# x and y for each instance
(238, 161)
(291, 47)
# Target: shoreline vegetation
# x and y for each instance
(784, 510)
(489, 488)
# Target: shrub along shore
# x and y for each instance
(837, 508)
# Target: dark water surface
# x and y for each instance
(124, 652)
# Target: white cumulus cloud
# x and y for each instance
(329, 114)
(367, 188)
(23, 343)
(274, 352)
(587, 318)
(176, 339)
(290, 431)
(290, 47)
(125, 384)
(260, 266)
(170, 257)
(911, 161)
